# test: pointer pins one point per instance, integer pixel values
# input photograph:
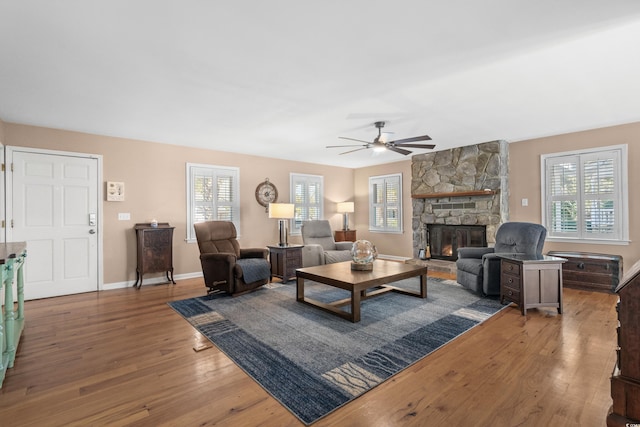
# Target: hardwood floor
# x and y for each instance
(123, 357)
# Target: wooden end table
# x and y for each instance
(285, 260)
(531, 281)
(345, 236)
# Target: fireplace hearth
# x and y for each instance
(444, 240)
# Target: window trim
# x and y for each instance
(293, 177)
(190, 233)
(372, 228)
(622, 185)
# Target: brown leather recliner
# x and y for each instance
(227, 267)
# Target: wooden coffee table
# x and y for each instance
(341, 276)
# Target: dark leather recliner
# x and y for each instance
(227, 267)
(479, 268)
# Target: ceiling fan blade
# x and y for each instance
(352, 145)
(398, 150)
(427, 146)
(414, 139)
(353, 139)
(357, 149)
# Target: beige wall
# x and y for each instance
(525, 181)
(154, 175)
(155, 187)
(387, 243)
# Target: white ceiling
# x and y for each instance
(285, 78)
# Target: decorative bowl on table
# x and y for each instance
(364, 253)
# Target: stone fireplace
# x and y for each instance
(444, 240)
(464, 186)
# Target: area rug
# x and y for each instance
(314, 362)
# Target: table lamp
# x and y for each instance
(283, 212)
(345, 208)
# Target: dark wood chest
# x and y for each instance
(590, 271)
(625, 380)
(154, 248)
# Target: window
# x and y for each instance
(585, 195)
(385, 203)
(212, 194)
(307, 196)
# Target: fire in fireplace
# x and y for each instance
(444, 240)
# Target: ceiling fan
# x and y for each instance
(379, 144)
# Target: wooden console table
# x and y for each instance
(12, 257)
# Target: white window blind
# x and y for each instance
(212, 194)
(385, 203)
(307, 197)
(585, 195)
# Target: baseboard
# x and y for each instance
(150, 281)
(162, 279)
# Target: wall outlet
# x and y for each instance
(525, 202)
(124, 216)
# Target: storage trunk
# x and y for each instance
(590, 271)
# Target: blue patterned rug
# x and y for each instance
(314, 362)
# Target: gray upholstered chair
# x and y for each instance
(479, 268)
(319, 245)
(227, 267)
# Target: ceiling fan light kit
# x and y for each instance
(380, 145)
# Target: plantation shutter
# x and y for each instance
(584, 195)
(213, 195)
(307, 196)
(563, 191)
(225, 198)
(385, 196)
(600, 195)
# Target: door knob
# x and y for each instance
(92, 231)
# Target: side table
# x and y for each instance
(345, 236)
(531, 281)
(285, 260)
(12, 257)
(155, 251)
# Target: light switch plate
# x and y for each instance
(124, 216)
(525, 202)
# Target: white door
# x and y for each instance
(53, 205)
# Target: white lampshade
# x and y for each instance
(346, 207)
(281, 210)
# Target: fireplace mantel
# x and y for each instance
(455, 194)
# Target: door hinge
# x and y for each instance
(3, 167)
(3, 223)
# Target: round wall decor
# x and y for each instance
(266, 193)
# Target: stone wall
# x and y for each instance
(470, 168)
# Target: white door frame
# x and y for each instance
(9, 150)
(3, 199)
